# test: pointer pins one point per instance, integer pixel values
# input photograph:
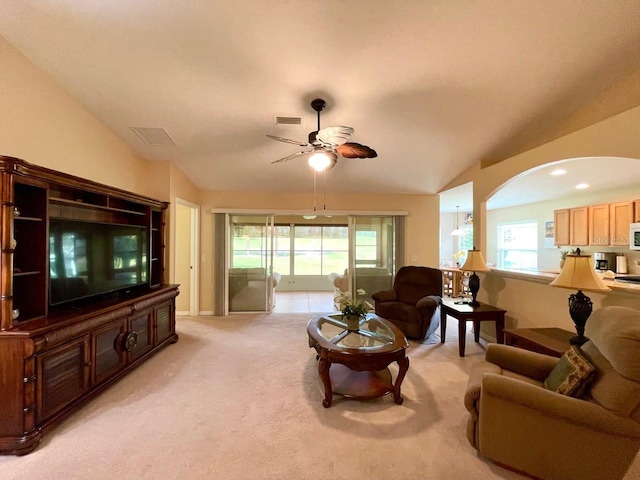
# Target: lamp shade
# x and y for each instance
(578, 274)
(475, 262)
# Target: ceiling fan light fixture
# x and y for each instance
(319, 161)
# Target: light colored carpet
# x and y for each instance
(237, 398)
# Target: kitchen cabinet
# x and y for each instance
(561, 227)
(621, 215)
(636, 211)
(579, 226)
(599, 224)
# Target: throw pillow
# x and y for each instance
(572, 374)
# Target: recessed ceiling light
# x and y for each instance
(558, 171)
(582, 186)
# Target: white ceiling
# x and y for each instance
(434, 86)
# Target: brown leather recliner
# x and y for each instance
(414, 303)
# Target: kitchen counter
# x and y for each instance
(547, 277)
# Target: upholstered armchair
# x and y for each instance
(591, 432)
(413, 304)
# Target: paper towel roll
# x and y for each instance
(621, 264)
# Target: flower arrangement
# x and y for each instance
(354, 305)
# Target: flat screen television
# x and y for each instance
(88, 259)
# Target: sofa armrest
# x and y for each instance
(385, 296)
(430, 303)
(530, 364)
(498, 390)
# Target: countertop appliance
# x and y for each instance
(604, 261)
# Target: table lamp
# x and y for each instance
(474, 263)
(578, 274)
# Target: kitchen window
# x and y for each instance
(518, 246)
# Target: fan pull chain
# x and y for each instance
(314, 190)
(324, 190)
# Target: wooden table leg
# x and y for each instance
(476, 331)
(500, 328)
(462, 334)
(323, 369)
(443, 324)
(404, 366)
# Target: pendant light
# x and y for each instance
(456, 231)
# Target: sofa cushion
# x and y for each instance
(610, 389)
(572, 373)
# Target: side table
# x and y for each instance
(550, 341)
(464, 313)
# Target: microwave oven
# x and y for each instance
(634, 236)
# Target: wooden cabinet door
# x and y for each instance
(62, 376)
(579, 226)
(621, 215)
(142, 326)
(107, 351)
(561, 227)
(599, 224)
(636, 211)
(165, 321)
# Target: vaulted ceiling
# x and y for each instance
(433, 86)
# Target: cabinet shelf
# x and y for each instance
(81, 204)
(28, 219)
(26, 274)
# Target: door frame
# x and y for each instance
(194, 243)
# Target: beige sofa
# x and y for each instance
(518, 423)
(369, 279)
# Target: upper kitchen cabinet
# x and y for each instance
(571, 226)
(599, 224)
(636, 211)
(621, 215)
(561, 230)
(579, 226)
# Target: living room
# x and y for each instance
(44, 124)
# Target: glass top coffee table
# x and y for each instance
(353, 361)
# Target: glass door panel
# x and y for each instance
(250, 278)
(372, 259)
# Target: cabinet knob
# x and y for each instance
(129, 341)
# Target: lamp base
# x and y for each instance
(578, 340)
(580, 307)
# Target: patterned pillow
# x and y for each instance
(572, 374)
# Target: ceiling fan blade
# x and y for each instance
(334, 135)
(355, 150)
(291, 157)
(287, 140)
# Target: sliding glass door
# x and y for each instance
(373, 253)
(251, 281)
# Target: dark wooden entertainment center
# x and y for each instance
(55, 357)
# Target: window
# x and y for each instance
(320, 250)
(518, 246)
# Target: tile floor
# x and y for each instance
(303, 302)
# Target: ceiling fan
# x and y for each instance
(325, 145)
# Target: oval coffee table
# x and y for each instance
(353, 363)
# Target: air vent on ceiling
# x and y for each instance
(153, 135)
(288, 121)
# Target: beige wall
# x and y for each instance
(42, 124)
(183, 255)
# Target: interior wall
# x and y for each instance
(42, 124)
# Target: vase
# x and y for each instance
(353, 322)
